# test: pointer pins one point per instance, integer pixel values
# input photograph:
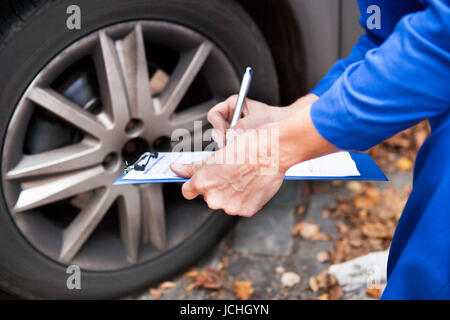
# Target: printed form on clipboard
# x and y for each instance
(157, 169)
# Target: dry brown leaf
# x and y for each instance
(154, 293)
(419, 137)
(290, 279)
(191, 286)
(301, 210)
(342, 227)
(375, 230)
(321, 187)
(373, 293)
(337, 183)
(309, 231)
(354, 186)
(313, 284)
(167, 285)
(355, 238)
(404, 164)
(328, 286)
(364, 202)
(243, 289)
(207, 278)
(219, 266)
(279, 269)
(373, 193)
(323, 256)
(191, 274)
(335, 292)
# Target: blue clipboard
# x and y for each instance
(366, 166)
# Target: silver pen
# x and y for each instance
(245, 85)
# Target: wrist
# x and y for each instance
(290, 137)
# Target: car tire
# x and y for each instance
(31, 34)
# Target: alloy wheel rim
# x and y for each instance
(87, 168)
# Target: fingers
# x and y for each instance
(189, 190)
(185, 170)
(222, 113)
(220, 117)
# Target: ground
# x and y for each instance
(285, 251)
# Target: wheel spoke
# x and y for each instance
(186, 119)
(130, 223)
(112, 86)
(154, 221)
(184, 74)
(131, 51)
(42, 191)
(73, 157)
(76, 234)
(59, 105)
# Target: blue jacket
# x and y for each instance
(395, 77)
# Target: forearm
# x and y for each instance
(299, 139)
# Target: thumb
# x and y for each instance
(185, 170)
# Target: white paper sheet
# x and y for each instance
(338, 164)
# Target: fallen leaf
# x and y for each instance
(207, 278)
(154, 293)
(191, 274)
(323, 296)
(243, 289)
(219, 266)
(335, 292)
(323, 256)
(191, 287)
(364, 202)
(372, 193)
(290, 279)
(355, 238)
(321, 187)
(419, 137)
(167, 285)
(309, 231)
(324, 279)
(313, 285)
(279, 269)
(373, 293)
(337, 183)
(342, 227)
(375, 230)
(404, 163)
(300, 210)
(354, 186)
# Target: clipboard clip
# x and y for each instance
(141, 163)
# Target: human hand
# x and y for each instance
(238, 179)
(254, 114)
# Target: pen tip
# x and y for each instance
(249, 70)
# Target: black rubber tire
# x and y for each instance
(31, 33)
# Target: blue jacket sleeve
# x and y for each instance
(363, 45)
(397, 85)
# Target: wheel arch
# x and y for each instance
(304, 40)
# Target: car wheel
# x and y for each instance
(76, 104)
